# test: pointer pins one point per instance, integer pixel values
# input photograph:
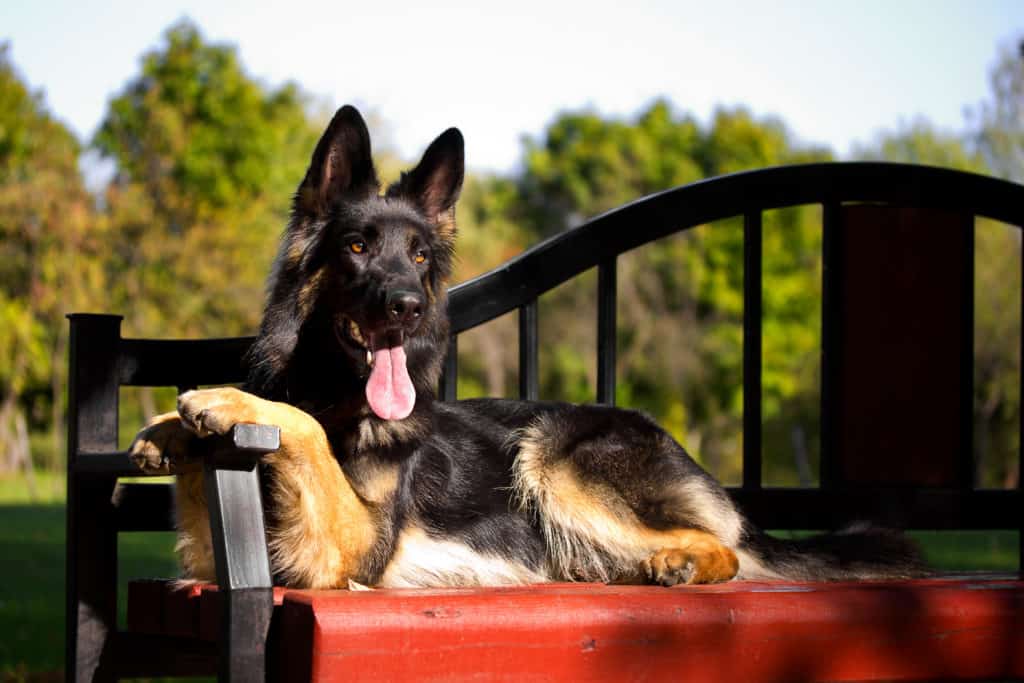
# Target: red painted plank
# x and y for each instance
(738, 632)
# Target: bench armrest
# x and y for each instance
(234, 501)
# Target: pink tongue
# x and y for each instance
(389, 389)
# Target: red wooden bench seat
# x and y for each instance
(953, 627)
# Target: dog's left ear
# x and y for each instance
(435, 183)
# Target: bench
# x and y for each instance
(912, 336)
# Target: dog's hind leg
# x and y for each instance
(697, 557)
(618, 500)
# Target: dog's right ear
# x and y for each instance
(342, 164)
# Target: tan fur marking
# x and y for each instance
(375, 433)
(377, 482)
(162, 446)
(323, 530)
(308, 292)
(194, 546)
(592, 534)
(695, 557)
(446, 225)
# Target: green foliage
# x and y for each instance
(920, 143)
(49, 259)
(1000, 121)
(207, 160)
(683, 293)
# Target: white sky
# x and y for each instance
(835, 72)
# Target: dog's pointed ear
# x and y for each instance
(435, 183)
(342, 163)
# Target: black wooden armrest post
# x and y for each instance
(240, 550)
(91, 562)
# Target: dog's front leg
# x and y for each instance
(321, 531)
(167, 446)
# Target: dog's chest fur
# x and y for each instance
(443, 508)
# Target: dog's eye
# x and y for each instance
(357, 247)
(421, 256)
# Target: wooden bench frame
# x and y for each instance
(101, 361)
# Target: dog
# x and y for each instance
(379, 483)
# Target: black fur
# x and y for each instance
(455, 461)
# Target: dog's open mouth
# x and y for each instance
(389, 390)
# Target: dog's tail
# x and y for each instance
(858, 552)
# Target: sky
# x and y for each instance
(836, 72)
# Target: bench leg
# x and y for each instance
(91, 611)
(245, 620)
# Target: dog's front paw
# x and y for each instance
(216, 411)
(164, 441)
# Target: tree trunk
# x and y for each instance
(25, 453)
(58, 380)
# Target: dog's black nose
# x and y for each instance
(404, 306)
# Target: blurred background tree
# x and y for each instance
(684, 292)
(50, 249)
(207, 157)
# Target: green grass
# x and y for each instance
(32, 583)
(49, 488)
(32, 574)
(970, 550)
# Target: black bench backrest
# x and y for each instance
(937, 206)
(852, 194)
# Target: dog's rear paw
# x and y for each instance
(215, 411)
(672, 566)
(163, 441)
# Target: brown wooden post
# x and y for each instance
(903, 354)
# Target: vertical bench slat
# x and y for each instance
(607, 300)
(965, 455)
(446, 389)
(831, 317)
(752, 290)
(450, 374)
(529, 383)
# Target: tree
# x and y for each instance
(684, 292)
(1000, 121)
(50, 259)
(207, 160)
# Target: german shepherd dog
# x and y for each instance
(379, 483)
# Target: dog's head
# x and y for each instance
(360, 278)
